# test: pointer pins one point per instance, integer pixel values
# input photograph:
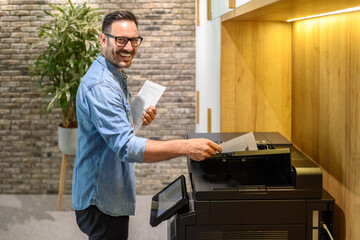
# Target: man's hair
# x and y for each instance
(117, 16)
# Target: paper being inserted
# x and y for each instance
(148, 95)
(244, 142)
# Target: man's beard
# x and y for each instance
(115, 59)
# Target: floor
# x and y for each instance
(33, 217)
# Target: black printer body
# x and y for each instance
(272, 193)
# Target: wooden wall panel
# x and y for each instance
(232, 3)
(325, 108)
(256, 77)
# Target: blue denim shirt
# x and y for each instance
(107, 147)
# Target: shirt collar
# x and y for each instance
(120, 75)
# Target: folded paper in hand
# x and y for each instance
(244, 142)
(148, 95)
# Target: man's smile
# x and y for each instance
(123, 54)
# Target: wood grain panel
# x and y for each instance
(256, 77)
(197, 12)
(326, 108)
(197, 107)
(209, 120)
(209, 13)
(232, 3)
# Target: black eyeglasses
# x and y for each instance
(122, 41)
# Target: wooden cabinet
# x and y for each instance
(302, 79)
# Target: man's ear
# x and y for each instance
(102, 39)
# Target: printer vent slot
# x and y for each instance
(233, 235)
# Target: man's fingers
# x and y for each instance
(150, 114)
(201, 148)
(146, 119)
(153, 110)
(215, 146)
(211, 151)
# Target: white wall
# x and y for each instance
(208, 36)
(208, 65)
(208, 74)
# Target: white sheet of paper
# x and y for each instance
(244, 142)
(148, 95)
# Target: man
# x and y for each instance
(103, 181)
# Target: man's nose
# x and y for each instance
(128, 46)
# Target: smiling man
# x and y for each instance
(103, 178)
(120, 54)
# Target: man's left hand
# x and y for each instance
(149, 115)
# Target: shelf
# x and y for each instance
(282, 10)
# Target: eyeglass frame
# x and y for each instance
(127, 40)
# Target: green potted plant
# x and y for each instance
(68, 45)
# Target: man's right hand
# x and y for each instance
(199, 149)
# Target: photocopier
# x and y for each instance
(274, 192)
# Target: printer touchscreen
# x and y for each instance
(169, 197)
(169, 201)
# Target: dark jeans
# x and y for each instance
(100, 226)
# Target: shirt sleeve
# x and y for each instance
(109, 111)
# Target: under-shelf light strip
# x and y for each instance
(326, 14)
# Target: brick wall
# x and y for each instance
(29, 156)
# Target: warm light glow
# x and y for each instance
(326, 14)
